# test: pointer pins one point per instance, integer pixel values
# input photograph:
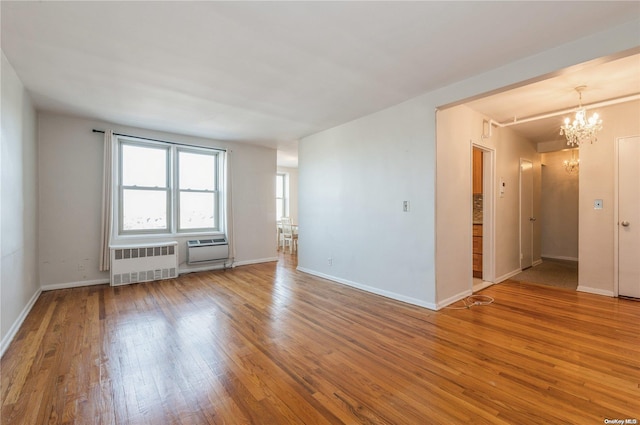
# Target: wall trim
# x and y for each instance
(13, 330)
(453, 299)
(560, 257)
(371, 289)
(256, 261)
(484, 285)
(507, 276)
(206, 268)
(67, 285)
(596, 291)
(226, 265)
(536, 262)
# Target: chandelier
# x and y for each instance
(571, 165)
(582, 129)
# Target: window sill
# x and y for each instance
(164, 236)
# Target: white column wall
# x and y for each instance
(19, 286)
(353, 181)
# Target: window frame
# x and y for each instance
(216, 191)
(285, 194)
(172, 189)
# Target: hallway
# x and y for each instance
(551, 272)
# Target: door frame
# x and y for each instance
(616, 198)
(488, 212)
(520, 256)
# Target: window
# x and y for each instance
(165, 188)
(197, 188)
(144, 193)
(282, 201)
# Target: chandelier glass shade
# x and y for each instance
(582, 129)
(572, 165)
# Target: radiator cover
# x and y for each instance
(143, 262)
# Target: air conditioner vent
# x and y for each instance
(207, 250)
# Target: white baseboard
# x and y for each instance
(536, 263)
(559, 257)
(13, 330)
(54, 286)
(596, 291)
(207, 267)
(220, 265)
(373, 290)
(454, 298)
(484, 285)
(507, 276)
(67, 285)
(256, 261)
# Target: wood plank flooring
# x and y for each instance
(265, 344)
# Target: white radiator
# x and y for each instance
(206, 250)
(143, 262)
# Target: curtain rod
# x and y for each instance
(161, 141)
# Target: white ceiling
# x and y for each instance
(270, 73)
(613, 80)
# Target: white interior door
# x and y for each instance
(526, 213)
(629, 217)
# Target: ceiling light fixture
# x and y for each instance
(572, 165)
(581, 129)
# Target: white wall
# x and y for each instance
(559, 211)
(354, 177)
(19, 286)
(353, 181)
(458, 128)
(597, 181)
(70, 175)
(293, 191)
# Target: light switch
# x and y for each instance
(405, 206)
(597, 204)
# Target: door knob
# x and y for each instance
(625, 223)
(532, 219)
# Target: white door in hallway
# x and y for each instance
(526, 214)
(629, 217)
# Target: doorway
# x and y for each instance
(483, 217)
(527, 217)
(627, 267)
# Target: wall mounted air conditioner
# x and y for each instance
(207, 250)
(143, 262)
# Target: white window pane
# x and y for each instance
(279, 186)
(197, 171)
(144, 210)
(197, 210)
(144, 166)
(279, 210)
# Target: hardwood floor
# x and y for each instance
(265, 344)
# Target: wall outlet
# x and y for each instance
(330, 261)
(406, 206)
